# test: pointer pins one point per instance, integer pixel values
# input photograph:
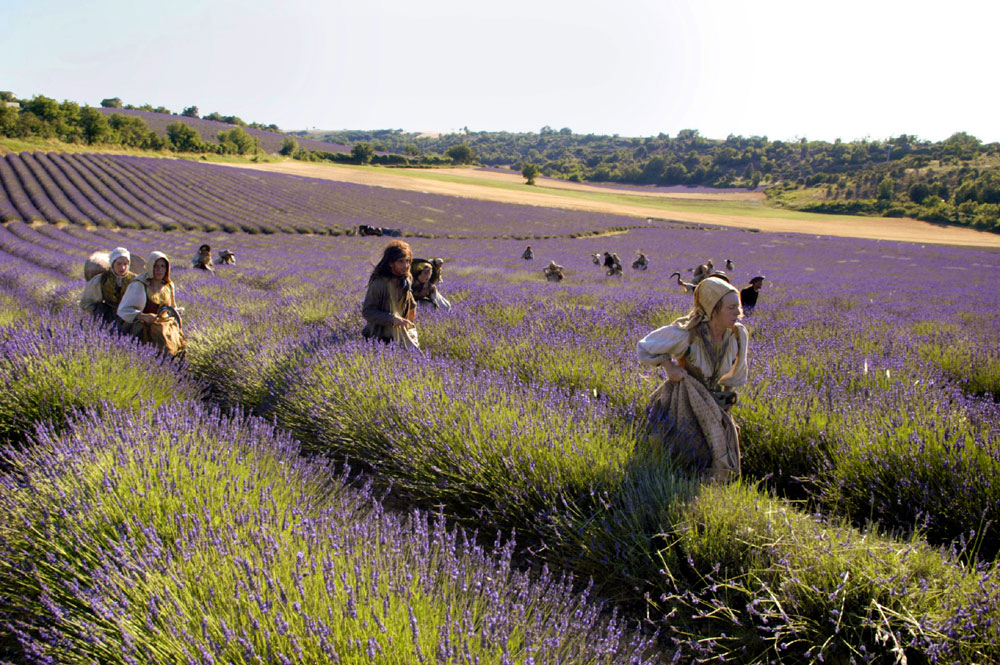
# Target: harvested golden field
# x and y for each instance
(561, 194)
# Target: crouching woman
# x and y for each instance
(104, 291)
(704, 355)
(389, 308)
(148, 307)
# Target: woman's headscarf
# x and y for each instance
(707, 295)
(150, 262)
(117, 253)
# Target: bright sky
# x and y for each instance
(781, 68)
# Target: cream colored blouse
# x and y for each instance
(674, 342)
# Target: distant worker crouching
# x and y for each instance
(426, 278)
(554, 272)
(703, 271)
(203, 259)
(748, 296)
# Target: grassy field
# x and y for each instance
(708, 205)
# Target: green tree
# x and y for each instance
(237, 141)
(530, 171)
(131, 131)
(918, 192)
(7, 96)
(112, 103)
(288, 146)
(94, 126)
(8, 120)
(675, 174)
(46, 108)
(961, 145)
(461, 154)
(886, 189)
(988, 187)
(184, 138)
(363, 152)
(190, 112)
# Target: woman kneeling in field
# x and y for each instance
(148, 307)
(104, 291)
(389, 307)
(705, 357)
(426, 277)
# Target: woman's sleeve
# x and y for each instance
(173, 300)
(132, 302)
(371, 308)
(91, 294)
(663, 344)
(738, 373)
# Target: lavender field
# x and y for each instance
(289, 493)
(115, 191)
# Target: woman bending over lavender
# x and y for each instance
(704, 355)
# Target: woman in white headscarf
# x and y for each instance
(704, 355)
(103, 292)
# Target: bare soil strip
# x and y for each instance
(873, 228)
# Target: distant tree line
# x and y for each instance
(952, 181)
(43, 117)
(189, 112)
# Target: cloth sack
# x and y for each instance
(441, 301)
(406, 337)
(164, 332)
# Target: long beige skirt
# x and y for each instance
(685, 419)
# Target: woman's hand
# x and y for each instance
(674, 371)
(146, 318)
(400, 322)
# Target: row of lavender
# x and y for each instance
(942, 363)
(863, 399)
(144, 527)
(208, 129)
(164, 194)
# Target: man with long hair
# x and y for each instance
(389, 308)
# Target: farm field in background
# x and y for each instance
(189, 525)
(722, 209)
(57, 187)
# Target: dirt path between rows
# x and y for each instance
(873, 228)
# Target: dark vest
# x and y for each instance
(110, 291)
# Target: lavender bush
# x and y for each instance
(183, 535)
(47, 372)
